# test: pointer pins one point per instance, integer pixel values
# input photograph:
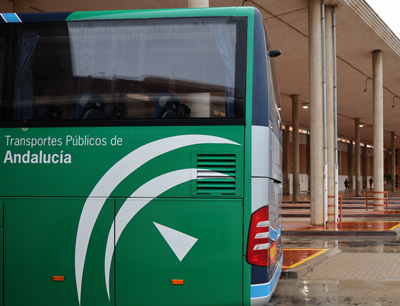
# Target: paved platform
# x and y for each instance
(298, 262)
(358, 266)
(293, 258)
(335, 264)
(331, 263)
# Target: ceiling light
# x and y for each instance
(393, 105)
(366, 84)
(361, 124)
(305, 105)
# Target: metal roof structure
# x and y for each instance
(359, 32)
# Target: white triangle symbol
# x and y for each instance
(179, 242)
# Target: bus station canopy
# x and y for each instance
(359, 32)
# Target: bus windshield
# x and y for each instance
(128, 69)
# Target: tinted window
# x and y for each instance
(2, 61)
(128, 69)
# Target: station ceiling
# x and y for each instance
(359, 32)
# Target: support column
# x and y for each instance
(308, 158)
(330, 111)
(357, 159)
(369, 157)
(21, 6)
(330, 116)
(377, 67)
(198, 3)
(350, 164)
(296, 148)
(199, 102)
(286, 160)
(316, 124)
(393, 162)
(364, 167)
(386, 162)
(336, 146)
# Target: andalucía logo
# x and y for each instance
(143, 195)
(37, 158)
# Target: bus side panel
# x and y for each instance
(1, 253)
(1, 264)
(266, 192)
(195, 242)
(39, 243)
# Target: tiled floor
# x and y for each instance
(358, 266)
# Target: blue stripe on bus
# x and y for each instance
(10, 17)
(259, 274)
(264, 290)
(275, 233)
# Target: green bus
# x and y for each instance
(141, 158)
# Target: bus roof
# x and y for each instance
(126, 14)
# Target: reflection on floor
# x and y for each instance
(357, 221)
(341, 226)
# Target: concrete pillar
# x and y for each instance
(316, 124)
(386, 162)
(364, 167)
(369, 157)
(350, 164)
(21, 6)
(377, 70)
(296, 148)
(357, 158)
(330, 116)
(198, 3)
(286, 160)
(393, 162)
(199, 103)
(308, 154)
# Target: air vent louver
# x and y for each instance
(216, 174)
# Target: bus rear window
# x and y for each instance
(2, 61)
(126, 69)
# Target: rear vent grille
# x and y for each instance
(216, 174)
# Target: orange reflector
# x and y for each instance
(177, 282)
(58, 278)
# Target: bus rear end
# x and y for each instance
(130, 155)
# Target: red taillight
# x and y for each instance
(258, 241)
